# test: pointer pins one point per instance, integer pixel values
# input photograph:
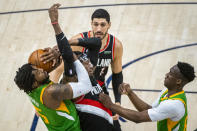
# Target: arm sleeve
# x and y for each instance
(173, 109)
(64, 48)
(91, 43)
(83, 86)
(117, 79)
(66, 53)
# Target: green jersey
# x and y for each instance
(64, 118)
(168, 124)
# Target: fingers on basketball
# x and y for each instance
(35, 59)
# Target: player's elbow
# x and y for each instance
(136, 120)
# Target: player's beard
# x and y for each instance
(46, 80)
(94, 34)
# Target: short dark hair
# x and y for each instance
(186, 70)
(24, 78)
(101, 13)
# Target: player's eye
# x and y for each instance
(103, 25)
(96, 24)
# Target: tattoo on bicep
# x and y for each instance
(61, 92)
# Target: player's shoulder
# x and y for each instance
(81, 35)
(117, 41)
(76, 36)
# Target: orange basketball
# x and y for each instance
(35, 59)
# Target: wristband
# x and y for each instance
(53, 23)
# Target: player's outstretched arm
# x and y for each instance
(129, 114)
(54, 94)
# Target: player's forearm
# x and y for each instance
(94, 43)
(73, 42)
(117, 79)
(83, 86)
(139, 104)
(82, 73)
(126, 113)
(57, 29)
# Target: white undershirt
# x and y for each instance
(173, 109)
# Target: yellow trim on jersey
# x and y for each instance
(41, 94)
(37, 109)
(63, 107)
(164, 98)
(185, 125)
(177, 94)
(165, 92)
(171, 124)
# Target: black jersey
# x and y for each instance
(93, 115)
(106, 56)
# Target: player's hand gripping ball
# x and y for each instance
(35, 59)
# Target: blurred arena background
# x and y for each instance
(143, 29)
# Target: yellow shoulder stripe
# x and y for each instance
(41, 94)
(177, 94)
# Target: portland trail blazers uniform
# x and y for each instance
(106, 56)
(92, 114)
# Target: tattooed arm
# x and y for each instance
(55, 94)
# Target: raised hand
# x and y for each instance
(124, 88)
(53, 12)
(50, 55)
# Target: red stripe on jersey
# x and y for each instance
(113, 48)
(88, 34)
(82, 35)
(83, 50)
(101, 83)
(78, 99)
(108, 38)
(95, 104)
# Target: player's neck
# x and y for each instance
(104, 41)
(171, 92)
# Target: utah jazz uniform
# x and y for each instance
(168, 124)
(64, 118)
(106, 56)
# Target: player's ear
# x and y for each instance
(109, 24)
(91, 23)
(179, 81)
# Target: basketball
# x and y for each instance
(35, 59)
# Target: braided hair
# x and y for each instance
(24, 78)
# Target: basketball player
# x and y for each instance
(52, 101)
(169, 110)
(93, 115)
(110, 53)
